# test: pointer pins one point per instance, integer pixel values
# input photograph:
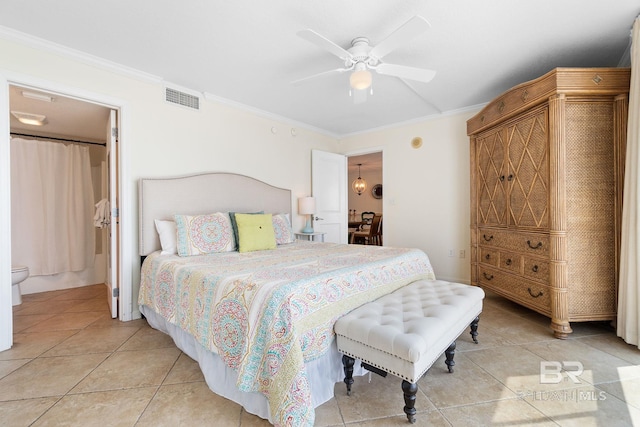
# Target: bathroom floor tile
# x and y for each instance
(94, 304)
(46, 307)
(22, 322)
(65, 321)
(31, 345)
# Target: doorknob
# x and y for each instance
(319, 219)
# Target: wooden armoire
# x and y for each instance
(547, 175)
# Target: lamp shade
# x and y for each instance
(306, 205)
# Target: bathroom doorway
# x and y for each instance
(43, 117)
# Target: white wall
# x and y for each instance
(160, 139)
(426, 190)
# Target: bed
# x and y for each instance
(259, 320)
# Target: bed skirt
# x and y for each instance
(322, 373)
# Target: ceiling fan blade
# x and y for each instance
(404, 72)
(324, 43)
(324, 73)
(410, 30)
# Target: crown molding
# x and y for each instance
(417, 120)
(267, 115)
(51, 47)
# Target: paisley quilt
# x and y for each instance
(266, 313)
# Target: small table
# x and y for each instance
(316, 236)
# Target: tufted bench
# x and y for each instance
(403, 333)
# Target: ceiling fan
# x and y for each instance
(361, 57)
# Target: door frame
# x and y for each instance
(126, 239)
(360, 152)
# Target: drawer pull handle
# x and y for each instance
(487, 256)
(534, 268)
(508, 261)
(538, 246)
(488, 239)
(501, 177)
(487, 276)
(510, 177)
(535, 296)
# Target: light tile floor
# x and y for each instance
(72, 365)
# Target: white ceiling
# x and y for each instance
(248, 53)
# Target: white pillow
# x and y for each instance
(167, 233)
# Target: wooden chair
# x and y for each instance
(367, 219)
(369, 236)
(377, 234)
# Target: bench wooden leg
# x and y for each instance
(410, 390)
(449, 353)
(347, 363)
(474, 329)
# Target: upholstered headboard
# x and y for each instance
(161, 198)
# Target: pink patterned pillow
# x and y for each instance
(204, 234)
(282, 228)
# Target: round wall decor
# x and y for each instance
(376, 191)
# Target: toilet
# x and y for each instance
(18, 274)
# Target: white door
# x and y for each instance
(329, 188)
(113, 267)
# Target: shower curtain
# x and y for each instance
(51, 207)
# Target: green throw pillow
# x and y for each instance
(255, 232)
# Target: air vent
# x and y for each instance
(181, 98)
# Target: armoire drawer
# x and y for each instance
(518, 289)
(489, 256)
(516, 241)
(536, 269)
(511, 262)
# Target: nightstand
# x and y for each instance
(316, 236)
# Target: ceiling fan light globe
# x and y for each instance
(360, 80)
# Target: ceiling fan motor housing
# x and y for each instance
(359, 51)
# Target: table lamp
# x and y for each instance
(307, 206)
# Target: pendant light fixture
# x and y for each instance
(359, 185)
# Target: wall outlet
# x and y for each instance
(462, 253)
(451, 252)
